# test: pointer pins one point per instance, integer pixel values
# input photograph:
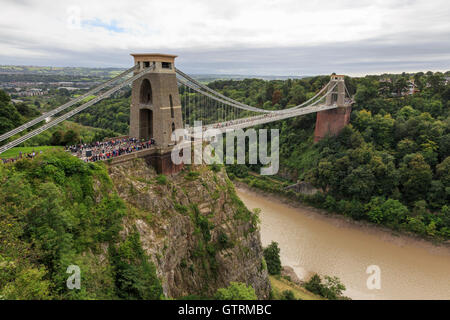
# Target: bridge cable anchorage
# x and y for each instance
(238, 104)
(64, 106)
(74, 111)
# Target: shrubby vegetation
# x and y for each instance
(236, 291)
(57, 211)
(390, 166)
(330, 288)
(67, 133)
(112, 114)
(12, 116)
(272, 258)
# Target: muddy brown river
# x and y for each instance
(312, 242)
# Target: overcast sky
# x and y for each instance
(260, 37)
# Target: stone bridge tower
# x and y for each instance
(331, 122)
(156, 107)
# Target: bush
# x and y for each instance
(192, 175)
(272, 257)
(332, 288)
(236, 291)
(161, 179)
(135, 276)
(224, 241)
(287, 295)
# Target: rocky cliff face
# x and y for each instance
(195, 229)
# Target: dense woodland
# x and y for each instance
(391, 166)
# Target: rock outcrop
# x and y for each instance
(194, 228)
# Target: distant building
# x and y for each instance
(412, 88)
(68, 88)
(31, 92)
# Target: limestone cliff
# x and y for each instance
(195, 229)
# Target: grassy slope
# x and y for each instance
(11, 153)
(280, 284)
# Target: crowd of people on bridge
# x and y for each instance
(97, 151)
(21, 155)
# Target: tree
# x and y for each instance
(444, 146)
(64, 92)
(365, 93)
(401, 85)
(272, 257)
(276, 97)
(436, 82)
(314, 284)
(56, 138)
(71, 137)
(415, 177)
(394, 211)
(26, 110)
(29, 284)
(332, 288)
(236, 291)
(287, 295)
(404, 147)
(269, 90)
(443, 171)
(297, 94)
(10, 118)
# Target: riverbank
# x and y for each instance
(313, 241)
(342, 220)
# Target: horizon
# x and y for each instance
(237, 74)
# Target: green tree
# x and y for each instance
(415, 177)
(29, 284)
(236, 291)
(57, 138)
(443, 172)
(71, 137)
(287, 295)
(272, 257)
(10, 118)
(401, 85)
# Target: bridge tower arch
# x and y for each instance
(155, 110)
(331, 122)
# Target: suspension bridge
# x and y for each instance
(164, 99)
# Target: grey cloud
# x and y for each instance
(362, 57)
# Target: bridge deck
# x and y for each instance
(223, 127)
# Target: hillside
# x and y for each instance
(134, 234)
(390, 166)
